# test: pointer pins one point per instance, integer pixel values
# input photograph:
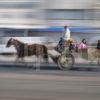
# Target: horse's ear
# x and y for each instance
(11, 39)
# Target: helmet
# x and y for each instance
(65, 26)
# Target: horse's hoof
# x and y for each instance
(98, 63)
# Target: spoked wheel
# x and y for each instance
(66, 62)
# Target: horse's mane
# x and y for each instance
(20, 42)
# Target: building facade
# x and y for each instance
(21, 13)
(73, 12)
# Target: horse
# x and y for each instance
(24, 49)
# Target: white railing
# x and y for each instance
(4, 49)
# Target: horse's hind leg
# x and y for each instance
(38, 63)
(45, 57)
(98, 60)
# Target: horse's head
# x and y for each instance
(10, 42)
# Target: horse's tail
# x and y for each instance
(45, 56)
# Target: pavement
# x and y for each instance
(49, 66)
(22, 84)
(29, 62)
(22, 81)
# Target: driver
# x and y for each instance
(67, 32)
(64, 39)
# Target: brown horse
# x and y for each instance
(28, 50)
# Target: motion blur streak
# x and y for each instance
(21, 13)
(29, 13)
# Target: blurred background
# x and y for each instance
(42, 21)
(21, 13)
(73, 12)
(31, 13)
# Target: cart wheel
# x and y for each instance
(66, 62)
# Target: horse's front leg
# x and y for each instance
(25, 63)
(19, 59)
(16, 59)
(22, 59)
